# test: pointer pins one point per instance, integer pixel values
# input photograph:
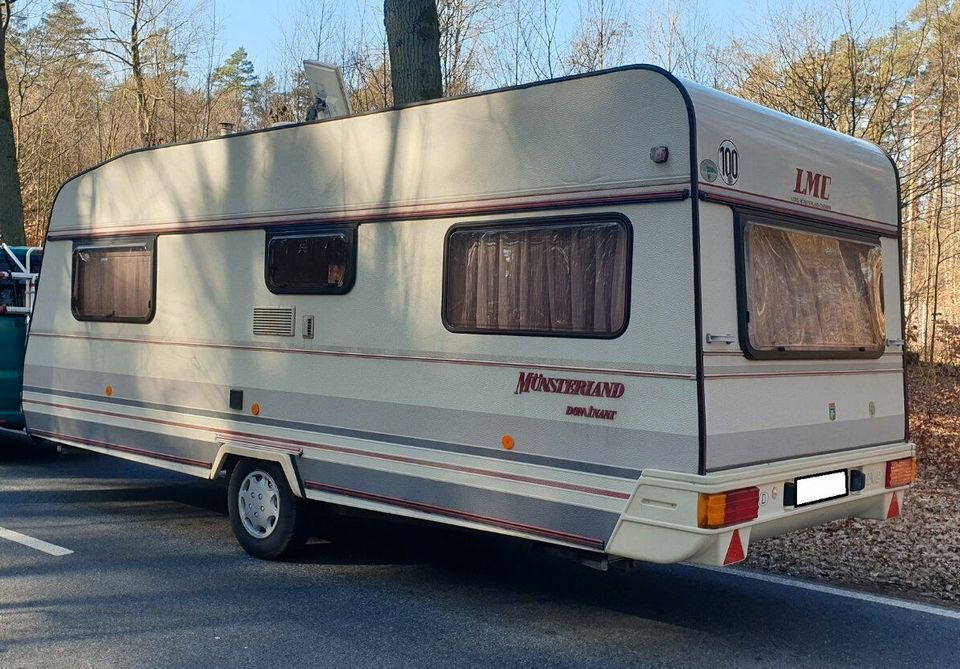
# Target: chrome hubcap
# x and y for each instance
(259, 504)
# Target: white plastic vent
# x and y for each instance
(276, 321)
(307, 329)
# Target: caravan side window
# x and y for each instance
(318, 262)
(114, 281)
(562, 277)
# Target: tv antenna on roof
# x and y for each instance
(329, 94)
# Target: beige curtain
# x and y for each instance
(114, 283)
(808, 291)
(550, 278)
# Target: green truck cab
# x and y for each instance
(19, 274)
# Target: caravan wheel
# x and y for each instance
(269, 521)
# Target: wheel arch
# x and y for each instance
(230, 453)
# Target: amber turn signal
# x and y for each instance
(728, 508)
(901, 472)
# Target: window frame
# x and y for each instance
(350, 278)
(148, 242)
(543, 221)
(742, 218)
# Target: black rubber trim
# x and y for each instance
(697, 269)
(903, 299)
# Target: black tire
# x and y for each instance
(286, 531)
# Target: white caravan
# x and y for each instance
(618, 312)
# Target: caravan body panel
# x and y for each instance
(593, 439)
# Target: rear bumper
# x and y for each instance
(660, 523)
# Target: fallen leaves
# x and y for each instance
(916, 555)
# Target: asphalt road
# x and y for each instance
(156, 579)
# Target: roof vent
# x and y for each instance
(274, 321)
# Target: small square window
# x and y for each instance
(314, 262)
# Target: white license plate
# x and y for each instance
(821, 487)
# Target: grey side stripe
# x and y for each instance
(558, 463)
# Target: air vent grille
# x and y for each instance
(276, 321)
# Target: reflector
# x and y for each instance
(894, 510)
(735, 550)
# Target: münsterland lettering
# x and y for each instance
(538, 383)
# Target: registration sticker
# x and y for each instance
(821, 487)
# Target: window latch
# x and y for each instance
(720, 339)
(895, 342)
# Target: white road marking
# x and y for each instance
(36, 544)
(838, 592)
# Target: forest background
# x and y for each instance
(90, 79)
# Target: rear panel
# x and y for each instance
(760, 410)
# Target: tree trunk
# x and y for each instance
(144, 117)
(11, 201)
(413, 33)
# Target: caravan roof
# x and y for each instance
(579, 140)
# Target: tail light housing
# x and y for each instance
(728, 508)
(901, 472)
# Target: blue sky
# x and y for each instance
(259, 26)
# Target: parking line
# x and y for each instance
(837, 592)
(36, 544)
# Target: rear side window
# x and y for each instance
(809, 293)
(552, 278)
(314, 262)
(114, 282)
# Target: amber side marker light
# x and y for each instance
(728, 508)
(901, 472)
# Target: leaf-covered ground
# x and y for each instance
(916, 555)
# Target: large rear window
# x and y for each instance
(809, 293)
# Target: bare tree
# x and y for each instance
(129, 31)
(602, 37)
(463, 26)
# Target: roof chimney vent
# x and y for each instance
(227, 129)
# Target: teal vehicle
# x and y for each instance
(19, 272)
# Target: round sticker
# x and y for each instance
(728, 162)
(708, 170)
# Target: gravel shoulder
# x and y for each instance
(915, 556)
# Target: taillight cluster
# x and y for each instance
(728, 508)
(901, 472)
